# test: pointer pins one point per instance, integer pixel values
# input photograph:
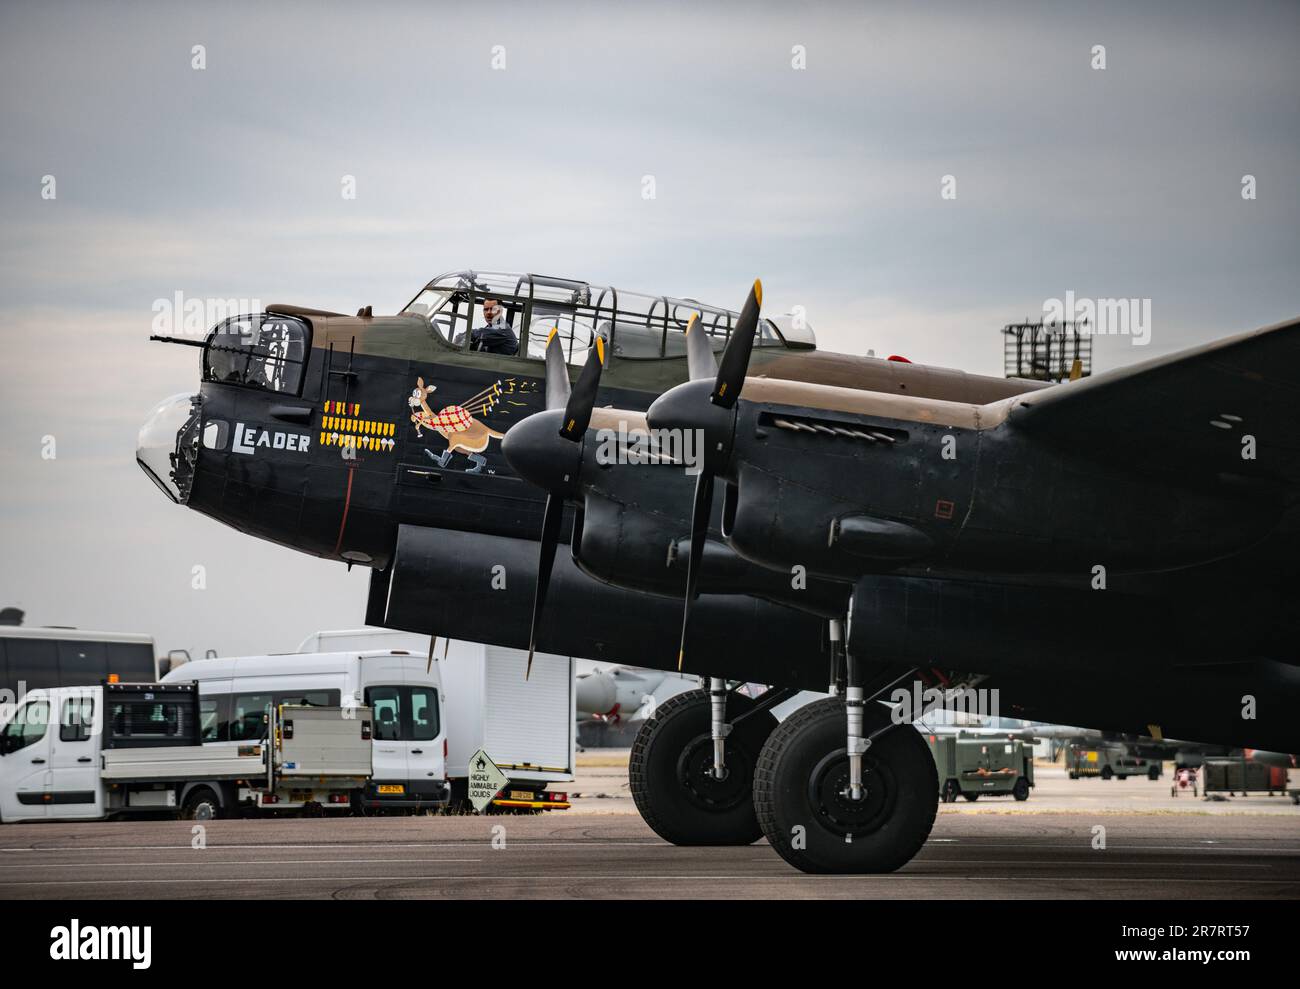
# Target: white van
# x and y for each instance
(410, 740)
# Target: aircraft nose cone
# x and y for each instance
(168, 445)
(536, 452)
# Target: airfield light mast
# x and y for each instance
(1047, 351)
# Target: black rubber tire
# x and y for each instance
(1153, 773)
(972, 797)
(1106, 772)
(666, 771)
(1021, 790)
(201, 804)
(804, 765)
(951, 790)
(1074, 776)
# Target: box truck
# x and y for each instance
(526, 725)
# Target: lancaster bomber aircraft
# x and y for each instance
(1118, 551)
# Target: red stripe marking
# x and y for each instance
(347, 503)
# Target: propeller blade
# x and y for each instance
(577, 413)
(699, 354)
(551, 518)
(735, 359)
(433, 641)
(558, 388)
(699, 533)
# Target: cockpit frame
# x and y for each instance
(635, 326)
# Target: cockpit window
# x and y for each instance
(573, 329)
(264, 350)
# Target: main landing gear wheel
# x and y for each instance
(671, 772)
(801, 792)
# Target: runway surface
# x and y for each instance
(574, 854)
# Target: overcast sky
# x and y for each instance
(825, 181)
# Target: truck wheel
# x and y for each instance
(670, 772)
(1021, 790)
(1153, 773)
(1074, 776)
(1106, 772)
(950, 791)
(201, 805)
(972, 797)
(799, 795)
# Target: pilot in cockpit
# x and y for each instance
(495, 336)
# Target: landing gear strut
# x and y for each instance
(692, 765)
(856, 744)
(718, 727)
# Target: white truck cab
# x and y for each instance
(49, 756)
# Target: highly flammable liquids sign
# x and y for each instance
(485, 780)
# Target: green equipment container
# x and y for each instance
(974, 766)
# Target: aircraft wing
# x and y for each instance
(1188, 412)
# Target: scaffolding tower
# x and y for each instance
(1047, 351)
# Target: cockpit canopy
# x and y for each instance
(633, 325)
(260, 350)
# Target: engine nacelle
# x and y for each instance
(623, 545)
(480, 588)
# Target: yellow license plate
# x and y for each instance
(390, 788)
(520, 795)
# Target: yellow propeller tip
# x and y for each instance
(600, 349)
(758, 291)
(695, 318)
(551, 336)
